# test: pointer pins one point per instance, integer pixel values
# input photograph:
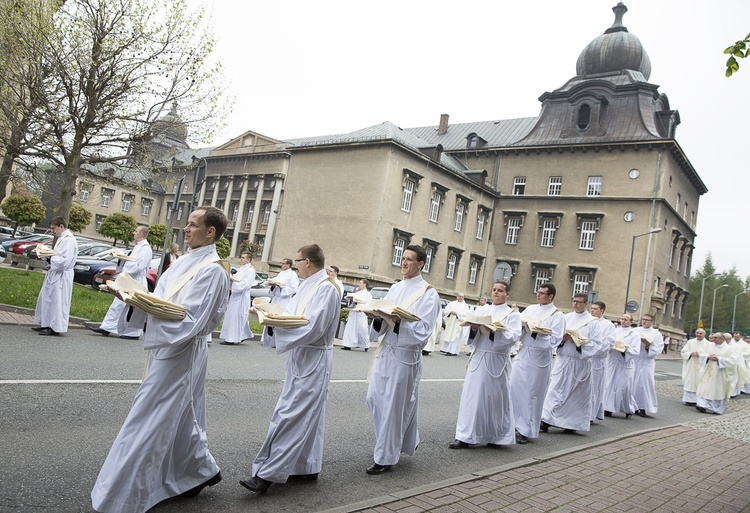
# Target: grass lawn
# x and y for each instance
(21, 288)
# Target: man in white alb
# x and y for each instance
(644, 385)
(691, 365)
(235, 328)
(454, 335)
(599, 360)
(716, 381)
(618, 389)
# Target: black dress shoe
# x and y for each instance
(256, 484)
(521, 439)
(366, 348)
(40, 328)
(641, 413)
(607, 413)
(544, 427)
(569, 431)
(378, 469)
(700, 409)
(48, 331)
(686, 404)
(304, 477)
(346, 348)
(100, 331)
(457, 444)
(195, 491)
(225, 343)
(425, 353)
(628, 415)
(128, 337)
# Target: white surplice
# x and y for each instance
(568, 401)
(294, 444)
(162, 449)
(282, 295)
(618, 388)
(644, 386)
(116, 320)
(235, 328)
(599, 368)
(715, 383)
(531, 369)
(691, 367)
(454, 335)
(393, 393)
(53, 303)
(485, 414)
(357, 331)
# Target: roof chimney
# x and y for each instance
(443, 126)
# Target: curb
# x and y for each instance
(29, 311)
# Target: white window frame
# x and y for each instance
(408, 194)
(180, 211)
(473, 268)
(430, 253)
(554, 187)
(542, 276)
(107, 197)
(588, 235)
(249, 218)
(266, 214)
(460, 211)
(146, 205)
(519, 185)
(399, 243)
(580, 283)
(169, 210)
(435, 200)
(514, 228)
(594, 187)
(452, 262)
(549, 227)
(677, 203)
(85, 191)
(235, 212)
(481, 220)
(127, 200)
(98, 220)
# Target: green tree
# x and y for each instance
(156, 234)
(223, 247)
(255, 249)
(738, 50)
(113, 67)
(80, 218)
(119, 227)
(24, 209)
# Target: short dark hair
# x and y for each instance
(314, 253)
(503, 282)
(419, 251)
(335, 268)
(288, 261)
(600, 304)
(214, 217)
(647, 315)
(582, 295)
(58, 221)
(248, 253)
(365, 281)
(551, 289)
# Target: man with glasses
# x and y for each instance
(644, 386)
(618, 389)
(568, 402)
(283, 288)
(543, 327)
(599, 360)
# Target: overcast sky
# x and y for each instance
(302, 68)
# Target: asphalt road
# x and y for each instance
(64, 399)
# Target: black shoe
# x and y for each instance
(701, 409)
(607, 413)
(48, 331)
(521, 439)
(375, 469)
(457, 444)
(304, 477)
(225, 343)
(628, 415)
(544, 427)
(366, 348)
(195, 491)
(256, 484)
(40, 328)
(127, 337)
(425, 353)
(569, 431)
(346, 348)
(100, 331)
(641, 413)
(686, 404)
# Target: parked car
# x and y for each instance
(86, 268)
(379, 292)
(85, 248)
(15, 251)
(110, 273)
(6, 243)
(3, 254)
(258, 289)
(348, 289)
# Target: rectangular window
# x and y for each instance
(235, 208)
(514, 226)
(473, 272)
(555, 186)
(671, 254)
(85, 191)
(684, 211)
(549, 227)
(460, 210)
(481, 220)
(169, 210)
(107, 196)
(266, 214)
(677, 204)
(398, 250)
(99, 220)
(588, 233)
(180, 211)
(146, 206)
(679, 261)
(581, 284)
(428, 261)
(249, 218)
(435, 201)
(595, 186)
(519, 185)
(408, 195)
(542, 277)
(452, 260)
(127, 200)
(674, 307)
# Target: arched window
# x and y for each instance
(584, 116)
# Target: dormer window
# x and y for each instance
(584, 116)
(474, 141)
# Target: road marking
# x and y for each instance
(64, 381)
(434, 380)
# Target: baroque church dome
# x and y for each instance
(614, 51)
(171, 127)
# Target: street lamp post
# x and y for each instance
(713, 305)
(734, 309)
(630, 269)
(700, 305)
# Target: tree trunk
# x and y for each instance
(71, 170)
(6, 170)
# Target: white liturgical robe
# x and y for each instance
(618, 389)
(644, 386)
(53, 303)
(691, 367)
(235, 328)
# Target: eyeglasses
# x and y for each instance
(299, 260)
(540, 293)
(578, 302)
